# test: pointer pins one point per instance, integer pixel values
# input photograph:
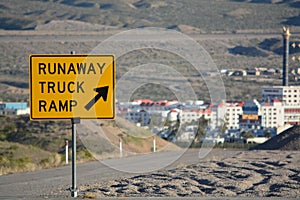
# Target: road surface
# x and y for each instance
(40, 184)
(85, 37)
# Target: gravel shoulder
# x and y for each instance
(247, 174)
(222, 174)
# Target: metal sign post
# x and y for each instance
(74, 186)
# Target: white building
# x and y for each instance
(288, 95)
(233, 112)
(187, 116)
(290, 98)
(125, 106)
(272, 114)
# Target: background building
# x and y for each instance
(233, 112)
(288, 95)
(14, 108)
(290, 98)
(272, 114)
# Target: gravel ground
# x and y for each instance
(252, 174)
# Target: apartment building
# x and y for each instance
(188, 116)
(233, 111)
(288, 95)
(290, 98)
(14, 108)
(272, 114)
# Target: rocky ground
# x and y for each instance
(247, 174)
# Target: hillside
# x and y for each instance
(204, 15)
(59, 26)
(287, 140)
(227, 53)
(102, 139)
(29, 145)
(16, 157)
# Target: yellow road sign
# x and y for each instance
(72, 86)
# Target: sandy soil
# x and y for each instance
(247, 174)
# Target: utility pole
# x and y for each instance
(285, 65)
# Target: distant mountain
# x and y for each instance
(204, 15)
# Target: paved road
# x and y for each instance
(39, 184)
(100, 37)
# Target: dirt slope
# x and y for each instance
(287, 140)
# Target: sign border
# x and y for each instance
(73, 55)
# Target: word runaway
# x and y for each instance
(70, 68)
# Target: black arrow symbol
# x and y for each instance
(102, 92)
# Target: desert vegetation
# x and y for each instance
(29, 145)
